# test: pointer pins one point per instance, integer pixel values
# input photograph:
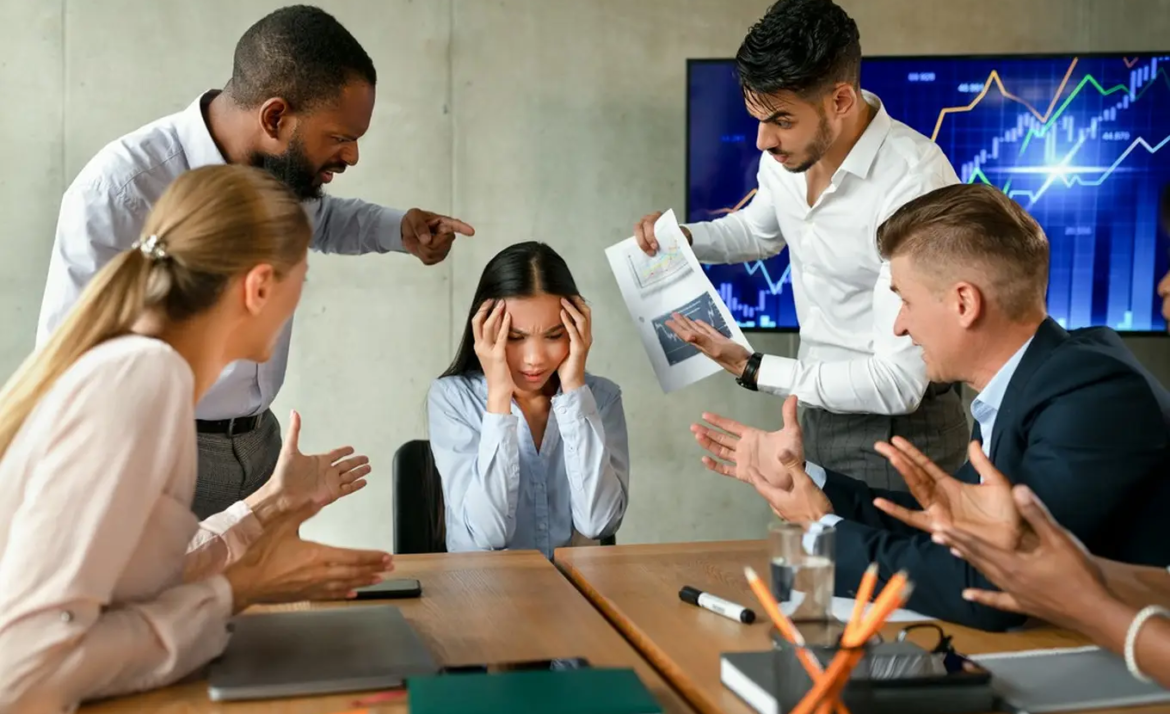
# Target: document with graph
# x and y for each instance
(655, 287)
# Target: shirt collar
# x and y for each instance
(987, 403)
(861, 157)
(195, 137)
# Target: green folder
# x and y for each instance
(573, 691)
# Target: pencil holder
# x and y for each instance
(792, 680)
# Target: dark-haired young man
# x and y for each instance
(834, 165)
(300, 96)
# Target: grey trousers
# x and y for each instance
(844, 442)
(234, 467)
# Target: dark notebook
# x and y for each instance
(572, 691)
(751, 675)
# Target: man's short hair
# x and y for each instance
(974, 225)
(299, 53)
(799, 46)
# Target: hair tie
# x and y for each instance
(153, 247)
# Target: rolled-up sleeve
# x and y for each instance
(478, 459)
(597, 459)
(351, 226)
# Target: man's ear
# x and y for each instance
(969, 303)
(275, 118)
(842, 99)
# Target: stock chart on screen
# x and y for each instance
(1081, 141)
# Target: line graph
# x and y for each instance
(995, 79)
(1079, 141)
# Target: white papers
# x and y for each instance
(843, 610)
(655, 287)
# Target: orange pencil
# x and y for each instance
(789, 631)
(896, 592)
(864, 593)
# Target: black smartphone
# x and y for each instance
(390, 589)
(534, 664)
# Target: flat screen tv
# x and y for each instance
(1081, 141)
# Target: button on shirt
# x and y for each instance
(501, 492)
(104, 209)
(849, 361)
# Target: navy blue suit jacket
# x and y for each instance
(1085, 426)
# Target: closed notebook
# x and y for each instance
(1067, 679)
(573, 691)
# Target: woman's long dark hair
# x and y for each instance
(520, 270)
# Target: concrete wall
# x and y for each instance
(559, 120)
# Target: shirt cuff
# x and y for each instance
(817, 473)
(776, 375)
(237, 525)
(703, 243)
(830, 519)
(390, 230)
(495, 426)
(575, 403)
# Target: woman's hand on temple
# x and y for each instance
(490, 328)
(578, 322)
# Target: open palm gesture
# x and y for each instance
(985, 509)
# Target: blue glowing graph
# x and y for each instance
(1080, 141)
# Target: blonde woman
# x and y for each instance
(109, 585)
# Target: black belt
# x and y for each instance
(231, 427)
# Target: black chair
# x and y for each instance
(419, 522)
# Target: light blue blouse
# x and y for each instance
(501, 492)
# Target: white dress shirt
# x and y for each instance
(850, 361)
(108, 585)
(104, 209)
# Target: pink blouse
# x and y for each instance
(108, 584)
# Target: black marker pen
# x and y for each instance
(707, 601)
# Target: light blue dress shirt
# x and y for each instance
(985, 407)
(103, 212)
(501, 492)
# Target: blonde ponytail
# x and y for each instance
(211, 224)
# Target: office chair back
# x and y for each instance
(419, 522)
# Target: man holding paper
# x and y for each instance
(834, 165)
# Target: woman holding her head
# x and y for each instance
(532, 450)
(109, 585)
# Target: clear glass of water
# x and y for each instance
(803, 569)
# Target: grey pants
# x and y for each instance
(844, 442)
(234, 467)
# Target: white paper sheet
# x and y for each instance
(655, 287)
(842, 609)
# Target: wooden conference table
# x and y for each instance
(475, 607)
(636, 586)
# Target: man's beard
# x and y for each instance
(816, 150)
(293, 168)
